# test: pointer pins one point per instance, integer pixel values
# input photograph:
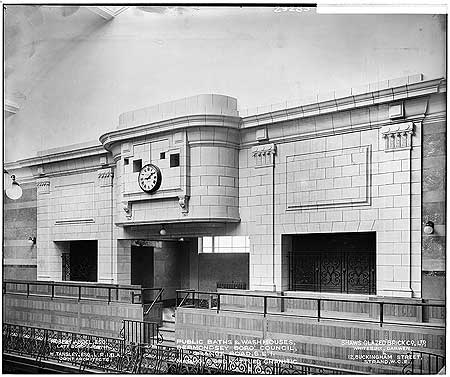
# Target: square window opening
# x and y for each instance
(162, 156)
(137, 166)
(126, 161)
(174, 160)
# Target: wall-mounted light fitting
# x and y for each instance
(32, 240)
(429, 227)
(162, 231)
(12, 189)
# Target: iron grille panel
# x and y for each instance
(340, 272)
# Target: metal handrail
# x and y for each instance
(71, 283)
(142, 291)
(319, 300)
(156, 299)
(189, 291)
(79, 286)
(386, 300)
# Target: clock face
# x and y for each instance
(150, 178)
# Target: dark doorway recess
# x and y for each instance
(142, 266)
(223, 269)
(83, 260)
(333, 262)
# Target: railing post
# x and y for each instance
(381, 313)
(28, 289)
(421, 365)
(425, 311)
(53, 290)
(318, 310)
(265, 305)
(79, 293)
(109, 295)
(218, 303)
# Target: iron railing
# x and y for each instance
(98, 353)
(139, 332)
(162, 359)
(133, 294)
(424, 363)
(380, 312)
(82, 350)
(79, 291)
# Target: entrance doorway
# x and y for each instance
(82, 261)
(142, 272)
(334, 262)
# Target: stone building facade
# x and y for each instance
(330, 193)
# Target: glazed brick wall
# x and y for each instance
(434, 209)
(392, 207)
(19, 223)
(75, 207)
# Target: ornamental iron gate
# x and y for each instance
(334, 262)
(341, 272)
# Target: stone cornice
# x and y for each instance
(331, 105)
(204, 143)
(57, 157)
(182, 220)
(331, 132)
(171, 125)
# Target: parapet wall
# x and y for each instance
(328, 343)
(89, 316)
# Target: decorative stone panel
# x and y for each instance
(127, 207)
(105, 177)
(397, 136)
(261, 134)
(264, 155)
(183, 201)
(43, 186)
(396, 110)
(329, 178)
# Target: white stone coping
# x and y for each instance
(333, 95)
(202, 104)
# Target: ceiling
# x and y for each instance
(37, 37)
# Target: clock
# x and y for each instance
(150, 178)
